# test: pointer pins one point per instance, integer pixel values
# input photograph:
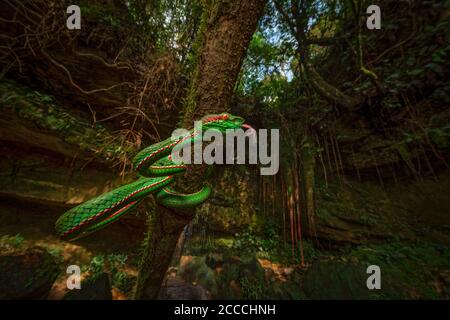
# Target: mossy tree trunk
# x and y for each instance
(227, 28)
(164, 229)
(309, 164)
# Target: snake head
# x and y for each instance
(224, 121)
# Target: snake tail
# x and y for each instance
(99, 212)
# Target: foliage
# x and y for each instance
(270, 245)
(251, 289)
(412, 270)
(57, 253)
(11, 242)
(266, 70)
(161, 25)
(113, 264)
(398, 77)
(43, 110)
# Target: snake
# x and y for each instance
(156, 172)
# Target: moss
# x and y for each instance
(224, 242)
(47, 269)
(103, 13)
(196, 271)
(211, 10)
(359, 211)
(190, 102)
(11, 242)
(251, 288)
(408, 271)
(41, 110)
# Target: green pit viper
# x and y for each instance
(156, 172)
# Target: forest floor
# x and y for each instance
(400, 228)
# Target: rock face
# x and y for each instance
(228, 277)
(27, 274)
(336, 281)
(54, 157)
(368, 212)
(41, 177)
(231, 207)
(98, 288)
(175, 288)
(48, 148)
(195, 270)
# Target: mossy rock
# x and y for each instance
(27, 274)
(195, 270)
(241, 279)
(293, 288)
(175, 288)
(231, 206)
(336, 280)
(409, 271)
(96, 287)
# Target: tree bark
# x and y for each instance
(225, 34)
(164, 229)
(328, 91)
(229, 28)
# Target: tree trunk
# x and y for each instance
(164, 229)
(329, 92)
(229, 27)
(309, 164)
(225, 34)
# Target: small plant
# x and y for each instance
(112, 264)
(14, 242)
(97, 265)
(369, 219)
(251, 289)
(56, 253)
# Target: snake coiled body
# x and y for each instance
(156, 172)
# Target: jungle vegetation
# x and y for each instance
(363, 118)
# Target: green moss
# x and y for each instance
(190, 102)
(15, 242)
(408, 270)
(211, 10)
(42, 111)
(360, 210)
(114, 265)
(224, 242)
(47, 270)
(251, 289)
(197, 271)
